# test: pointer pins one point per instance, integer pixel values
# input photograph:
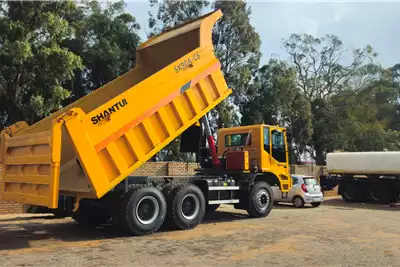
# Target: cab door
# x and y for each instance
(279, 153)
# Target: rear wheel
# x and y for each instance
(381, 194)
(260, 200)
(186, 207)
(350, 192)
(143, 210)
(298, 202)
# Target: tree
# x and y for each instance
(34, 66)
(321, 74)
(236, 43)
(275, 100)
(106, 40)
(171, 13)
(52, 53)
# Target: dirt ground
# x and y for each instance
(334, 234)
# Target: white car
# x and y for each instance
(305, 190)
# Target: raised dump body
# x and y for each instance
(90, 146)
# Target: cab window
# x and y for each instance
(237, 140)
(266, 139)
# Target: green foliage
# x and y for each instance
(106, 40)
(52, 53)
(171, 13)
(34, 66)
(237, 46)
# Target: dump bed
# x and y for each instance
(90, 146)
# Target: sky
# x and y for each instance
(356, 23)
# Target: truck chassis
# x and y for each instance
(364, 188)
(144, 204)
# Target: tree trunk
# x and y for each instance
(319, 157)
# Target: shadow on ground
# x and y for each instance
(19, 232)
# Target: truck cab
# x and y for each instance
(264, 147)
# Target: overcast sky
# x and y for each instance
(356, 23)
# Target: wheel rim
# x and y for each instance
(297, 202)
(190, 206)
(147, 210)
(262, 199)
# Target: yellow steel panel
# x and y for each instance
(33, 177)
(27, 160)
(28, 179)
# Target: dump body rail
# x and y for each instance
(31, 167)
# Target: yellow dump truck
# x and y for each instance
(81, 158)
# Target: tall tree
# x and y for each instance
(321, 74)
(52, 53)
(237, 46)
(34, 66)
(275, 100)
(106, 40)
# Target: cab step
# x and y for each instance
(227, 201)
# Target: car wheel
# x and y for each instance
(298, 202)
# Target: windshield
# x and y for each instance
(310, 181)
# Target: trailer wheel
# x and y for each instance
(186, 207)
(381, 194)
(143, 210)
(260, 200)
(349, 192)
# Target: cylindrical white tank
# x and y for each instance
(364, 163)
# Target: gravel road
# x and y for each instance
(334, 234)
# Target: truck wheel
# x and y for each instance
(260, 200)
(381, 194)
(143, 210)
(186, 207)
(212, 207)
(349, 192)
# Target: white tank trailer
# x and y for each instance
(364, 176)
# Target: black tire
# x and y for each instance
(212, 207)
(381, 194)
(260, 201)
(142, 210)
(90, 216)
(316, 204)
(351, 191)
(186, 207)
(298, 202)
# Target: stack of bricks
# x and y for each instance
(7, 207)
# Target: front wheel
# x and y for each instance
(260, 200)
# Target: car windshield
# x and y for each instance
(310, 181)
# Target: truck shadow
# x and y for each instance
(29, 234)
(339, 203)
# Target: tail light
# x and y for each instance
(304, 188)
